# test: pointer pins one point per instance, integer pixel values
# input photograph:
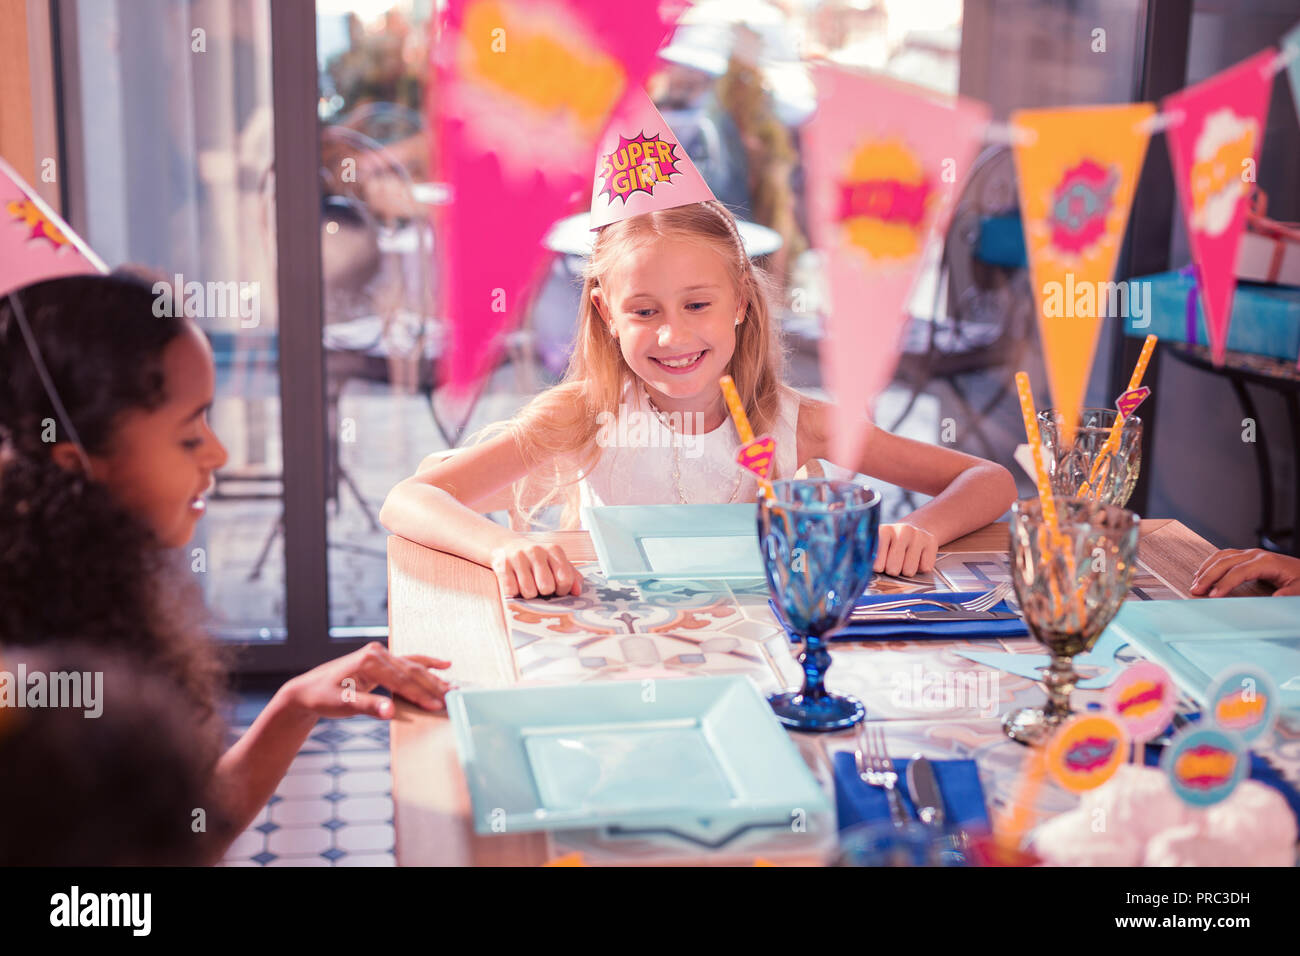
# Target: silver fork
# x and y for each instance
(876, 769)
(981, 602)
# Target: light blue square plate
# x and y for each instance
(675, 542)
(701, 756)
(1197, 640)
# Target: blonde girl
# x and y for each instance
(670, 303)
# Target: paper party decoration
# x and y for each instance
(1086, 751)
(1077, 170)
(1214, 146)
(1142, 698)
(1128, 402)
(1244, 701)
(523, 91)
(35, 243)
(1204, 764)
(757, 456)
(640, 167)
(884, 162)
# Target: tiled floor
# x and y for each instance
(334, 806)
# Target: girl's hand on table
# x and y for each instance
(341, 688)
(527, 568)
(905, 550)
(1224, 570)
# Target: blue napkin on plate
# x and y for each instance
(949, 630)
(959, 782)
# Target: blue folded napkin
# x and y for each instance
(894, 630)
(959, 783)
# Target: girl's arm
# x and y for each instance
(439, 505)
(248, 773)
(967, 492)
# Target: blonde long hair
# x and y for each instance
(556, 432)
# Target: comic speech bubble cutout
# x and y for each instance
(1204, 764)
(1086, 751)
(1142, 698)
(1243, 700)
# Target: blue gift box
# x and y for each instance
(1265, 318)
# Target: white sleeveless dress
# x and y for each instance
(636, 461)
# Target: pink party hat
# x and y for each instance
(641, 167)
(35, 243)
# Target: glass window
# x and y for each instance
(176, 143)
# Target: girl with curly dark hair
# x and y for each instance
(105, 456)
(129, 786)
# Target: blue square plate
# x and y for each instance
(702, 756)
(676, 542)
(1197, 640)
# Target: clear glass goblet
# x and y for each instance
(1110, 477)
(818, 539)
(1070, 585)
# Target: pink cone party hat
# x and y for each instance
(35, 243)
(641, 167)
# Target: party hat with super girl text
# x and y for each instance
(641, 167)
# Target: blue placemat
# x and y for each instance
(959, 782)
(915, 630)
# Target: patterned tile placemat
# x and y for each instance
(980, 570)
(650, 628)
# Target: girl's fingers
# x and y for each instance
(523, 570)
(542, 576)
(898, 548)
(435, 662)
(401, 682)
(929, 554)
(380, 669)
(1213, 569)
(506, 577)
(883, 542)
(1251, 569)
(561, 570)
(431, 688)
(912, 560)
(373, 705)
(1212, 559)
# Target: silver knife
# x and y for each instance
(935, 616)
(924, 790)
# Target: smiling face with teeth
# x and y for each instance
(673, 305)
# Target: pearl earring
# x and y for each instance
(737, 321)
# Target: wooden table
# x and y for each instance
(447, 607)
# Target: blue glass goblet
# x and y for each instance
(818, 539)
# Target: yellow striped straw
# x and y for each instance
(743, 429)
(1011, 825)
(1036, 449)
(1112, 440)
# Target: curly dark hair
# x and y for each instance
(117, 789)
(74, 565)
